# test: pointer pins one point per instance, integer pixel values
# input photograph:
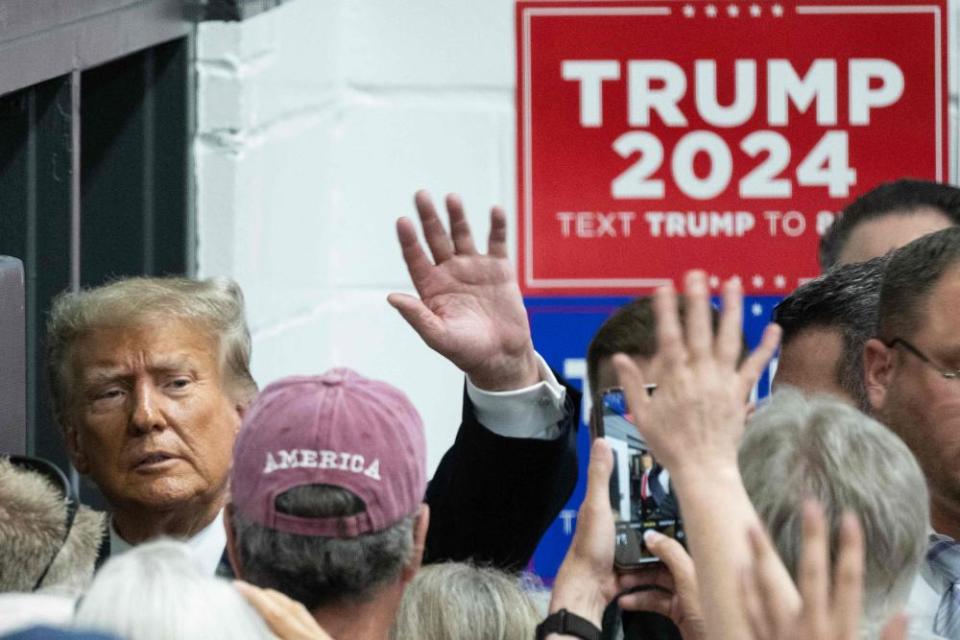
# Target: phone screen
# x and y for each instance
(641, 495)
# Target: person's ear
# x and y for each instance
(878, 368)
(241, 409)
(420, 526)
(78, 457)
(240, 405)
(232, 554)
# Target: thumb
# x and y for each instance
(677, 559)
(424, 321)
(598, 475)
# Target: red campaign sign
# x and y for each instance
(657, 136)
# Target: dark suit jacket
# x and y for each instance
(491, 498)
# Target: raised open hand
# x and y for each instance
(470, 309)
(830, 609)
(693, 424)
(697, 415)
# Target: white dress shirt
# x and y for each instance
(531, 412)
(206, 547)
(924, 601)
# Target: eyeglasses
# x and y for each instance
(949, 374)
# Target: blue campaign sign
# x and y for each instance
(562, 329)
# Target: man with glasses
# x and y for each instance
(912, 374)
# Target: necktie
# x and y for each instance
(943, 558)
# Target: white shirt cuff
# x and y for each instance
(531, 412)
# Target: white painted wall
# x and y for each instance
(317, 122)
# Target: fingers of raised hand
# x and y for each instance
(813, 572)
(632, 380)
(436, 236)
(459, 227)
(848, 581)
(418, 264)
(755, 363)
(769, 592)
(497, 244)
(758, 618)
(729, 334)
(698, 317)
(670, 344)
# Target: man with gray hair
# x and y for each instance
(912, 373)
(825, 324)
(798, 448)
(326, 502)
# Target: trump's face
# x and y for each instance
(150, 419)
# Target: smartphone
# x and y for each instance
(641, 495)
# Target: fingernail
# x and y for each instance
(652, 537)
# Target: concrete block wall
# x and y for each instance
(317, 122)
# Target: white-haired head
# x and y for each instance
(156, 591)
(797, 448)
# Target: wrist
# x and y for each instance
(566, 624)
(710, 473)
(579, 594)
(508, 373)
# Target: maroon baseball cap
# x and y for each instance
(338, 429)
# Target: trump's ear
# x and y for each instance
(878, 365)
(75, 449)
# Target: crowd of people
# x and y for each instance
(304, 510)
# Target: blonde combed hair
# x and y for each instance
(216, 304)
(460, 601)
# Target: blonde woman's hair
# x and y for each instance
(459, 601)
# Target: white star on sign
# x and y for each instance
(757, 281)
(711, 11)
(755, 10)
(777, 10)
(756, 309)
(779, 281)
(733, 11)
(714, 282)
(689, 11)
